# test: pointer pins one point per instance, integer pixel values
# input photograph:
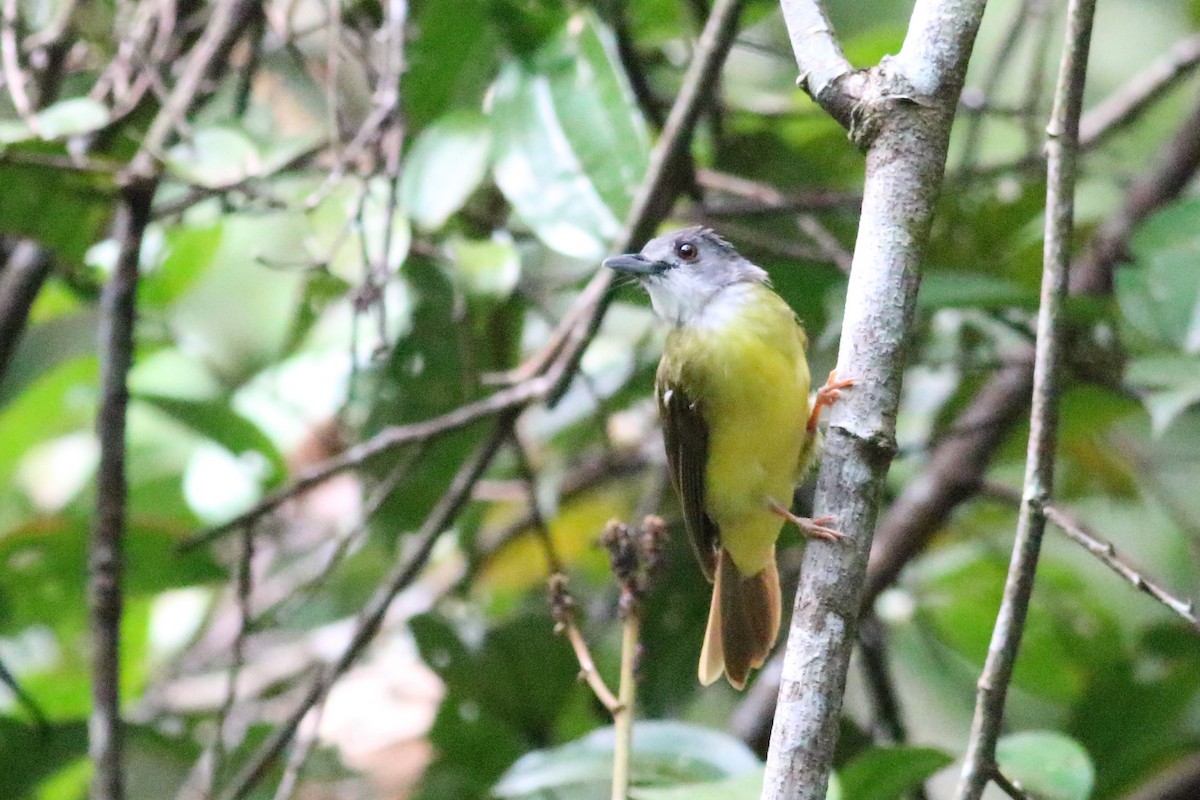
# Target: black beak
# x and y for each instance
(635, 264)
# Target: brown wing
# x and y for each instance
(685, 435)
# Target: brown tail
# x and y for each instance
(743, 622)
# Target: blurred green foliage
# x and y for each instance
(284, 314)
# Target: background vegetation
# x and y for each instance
(344, 220)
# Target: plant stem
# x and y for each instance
(623, 716)
(1062, 147)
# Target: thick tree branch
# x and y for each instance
(1062, 150)
(958, 464)
(905, 118)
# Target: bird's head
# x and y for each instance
(684, 271)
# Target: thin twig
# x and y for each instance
(1008, 787)
(373, 614)
(762, 198)
(1062, 149)
(1031, 110)
(106, 551)
(244, 589)
(562, 608)
(300, 753)
(623, 716)
(872, 647)
(387, 440)
(825, 241)
(1128, 102)
(979, 98)
(23, 698)
(1079, 533)
(554, 562)
(650, 106)
(21, 279)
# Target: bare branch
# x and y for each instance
(105, 552)
(562, 608)
(1008, 787)
(387, 440)
(957, 465)
(762, 198)
(373, 614)
(824, 71)
(1079, 533)
(905, 121)
(118, 309)
(1062, 149)
(978, 99)
(22, 278)
(1128, 102)
(872, 647)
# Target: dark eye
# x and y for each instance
(687, 251)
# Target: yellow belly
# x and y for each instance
(751, 382)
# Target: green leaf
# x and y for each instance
(743, 787)
(215, 420)
(445, 166)
(1046, 764)
(72, 117)
(45, 558)
(664, 754)
(81, 202)
(1169, 384)
(886, 773)
(1160, 295)
(571, 145)
(451, 59)
(1067, 632)
(967, 290)
(487, 269)
(187, 252)
(60, 401)
(29, 754)
(215, 156)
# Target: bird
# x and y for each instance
(739, 429)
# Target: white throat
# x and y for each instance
(684, 301)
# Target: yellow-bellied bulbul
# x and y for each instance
(732, 391)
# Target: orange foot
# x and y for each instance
(812, 528)
(827, 395)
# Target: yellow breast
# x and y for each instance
(745, 368)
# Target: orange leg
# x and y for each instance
(813, 528)
(827, 395)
